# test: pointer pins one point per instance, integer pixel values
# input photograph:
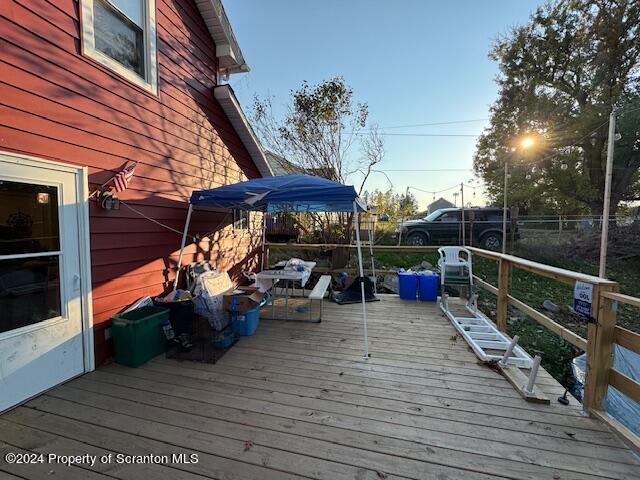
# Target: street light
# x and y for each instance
(525, 143)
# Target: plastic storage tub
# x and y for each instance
(428, 287)
(224, 339)
(407, 285)
(138, 335)
(245, 324)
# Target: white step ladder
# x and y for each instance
(479, 332)
(482, 334)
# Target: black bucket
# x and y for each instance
(180, 315)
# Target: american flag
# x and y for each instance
(122, 179)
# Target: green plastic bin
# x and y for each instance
(138, 335)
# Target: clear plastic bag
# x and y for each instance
(208, 302)
(616, 403)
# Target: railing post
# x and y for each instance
(600, 340)
(504, 274)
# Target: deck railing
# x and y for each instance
(602, 331)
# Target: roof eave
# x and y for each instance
(227, 99)
(228, 50)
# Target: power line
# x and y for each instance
(425, 170)
(558, 131)
(420, 134)
(606, 122)
(452, 122)
(457, 185)
(432, 124)
(628, 110)
(553, 155)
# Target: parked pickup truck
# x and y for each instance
(443, 227)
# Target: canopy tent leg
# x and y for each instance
(264, 239)
(364, 303)
(182, 245)
(373, 261)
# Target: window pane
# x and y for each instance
(131, 8)
(118, 37)
(29, 291)
(240, 219)
(28, 218)
(451, 217)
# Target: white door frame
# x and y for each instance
(82, 200)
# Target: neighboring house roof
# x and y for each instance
(227, 48)
(440, 203)
(282, 166)
(231, 107)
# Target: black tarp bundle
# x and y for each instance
(352, 293)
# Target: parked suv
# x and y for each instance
(443, 227)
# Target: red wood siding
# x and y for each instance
(59, 105)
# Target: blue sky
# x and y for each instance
(412, 61)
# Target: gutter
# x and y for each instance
(227, 99)
(228, 50)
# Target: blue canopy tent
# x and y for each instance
(291, 193)
(286, 193)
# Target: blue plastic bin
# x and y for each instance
(224, 339)
(407, 285)
(245, 324)
(428, 287)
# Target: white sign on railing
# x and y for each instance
(583, 298)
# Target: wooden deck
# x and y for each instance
(299, 401)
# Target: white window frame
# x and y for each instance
(238, 217)
(150, 82)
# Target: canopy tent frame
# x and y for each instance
(280, 194)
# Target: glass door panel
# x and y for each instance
(29, 291)
(29, 254)
(28, 218)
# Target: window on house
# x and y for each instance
(121, 34)
(241, 219)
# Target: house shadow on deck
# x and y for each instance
(297, 400)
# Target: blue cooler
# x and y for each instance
(428, 286)
(407, 285)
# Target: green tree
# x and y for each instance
(395, 205)
(560, 76)
(323, 132)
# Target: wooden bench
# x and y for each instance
(318, 293)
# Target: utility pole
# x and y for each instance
(462, 212)
(607, 194)
(504, 211)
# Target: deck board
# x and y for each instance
(298, 400)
